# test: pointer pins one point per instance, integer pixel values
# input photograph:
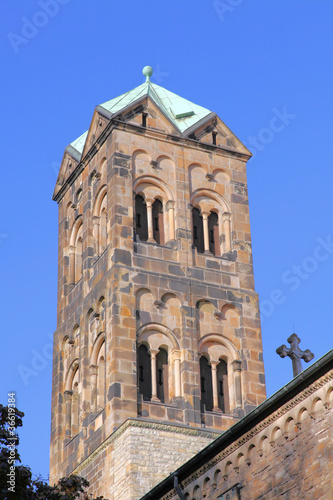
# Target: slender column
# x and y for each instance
(71, 265)
(171, 207)
(213, 364)
(93, 378)
(205, 230)
(149, 204)
(153, 375)
(68, 408)
(177, 378)
(238, 386)
(226, 231)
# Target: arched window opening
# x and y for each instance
(197, 231)
(75, 405)
(222, 386)
(144, 372)
(141, 225)
(162, 375)
(101, 383)
(158, 226)
(206, 389)
(213, 230)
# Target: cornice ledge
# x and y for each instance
(146, 424)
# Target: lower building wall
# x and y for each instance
(288, 455)
(138, 455)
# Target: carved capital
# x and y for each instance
(237, 365)
(149, 202)
(226, 216)
(93, 369)
(170, 205)
(68, 395)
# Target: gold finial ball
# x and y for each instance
(147, 71)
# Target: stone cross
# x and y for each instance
(295, 353)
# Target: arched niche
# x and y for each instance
(76, 252)
(172, 312)
(146, 310)
(141, 162)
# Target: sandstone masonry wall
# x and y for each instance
(139, 455)
(288, 456)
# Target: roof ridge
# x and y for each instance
(182, 113)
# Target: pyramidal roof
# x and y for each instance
(181, 112)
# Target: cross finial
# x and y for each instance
(295, 353)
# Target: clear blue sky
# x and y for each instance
(249, 61)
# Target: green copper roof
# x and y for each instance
(79, 143)
(181, 112)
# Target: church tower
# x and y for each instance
(158, 346)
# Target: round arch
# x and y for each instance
(75, 229)
(149, 329)
(71, 373)
(99, 200)
(96, 348)
(208, 193)
(151, 180)
(214, 338)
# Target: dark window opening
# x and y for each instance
(197, 231)
(158, 226)
(144, 119)
(206, 384)
(213, 231)
(144, 372)
(162, 376)
(214, 136)
(222, 386)
(141, 226)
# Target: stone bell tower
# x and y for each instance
(158, 346)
